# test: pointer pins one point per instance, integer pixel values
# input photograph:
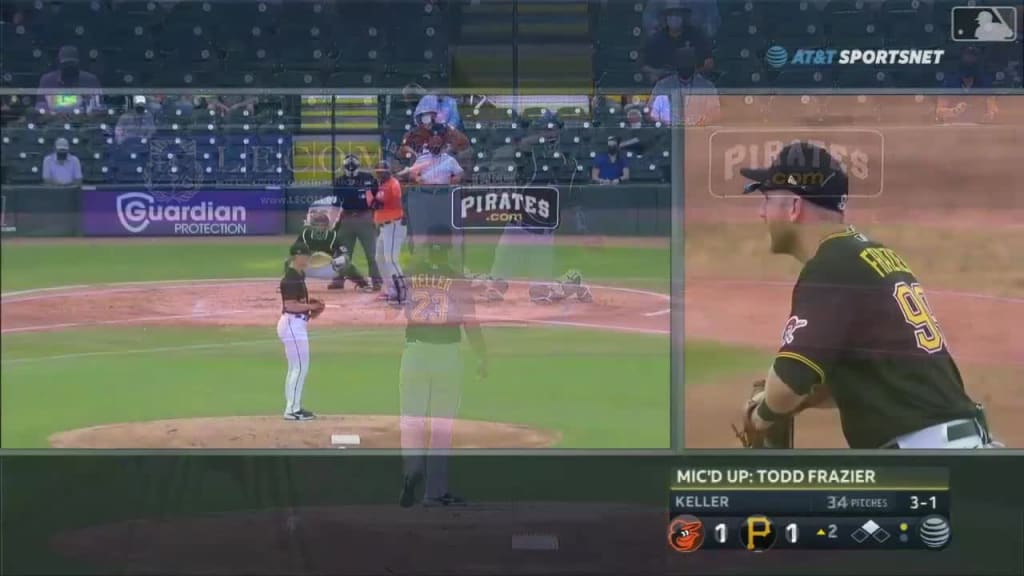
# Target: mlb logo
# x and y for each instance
(984, 24)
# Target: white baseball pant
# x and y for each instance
(291, 330)
(390, 240)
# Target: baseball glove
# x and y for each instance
(318, 307)
(779, 435)
(319, 259)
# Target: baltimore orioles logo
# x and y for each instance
(686, 533)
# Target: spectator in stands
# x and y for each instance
(136, 123)
(641, 138)
(69, 75)
(610, 167)
(675, 34)
(435, 168)
(12, 108)
(963, 107)
(703, 14)
(701, 106)
(445, 107)
(225, 105)
(62, 168)
(635, 117)
(428, 125)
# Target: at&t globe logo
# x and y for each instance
(776, 57)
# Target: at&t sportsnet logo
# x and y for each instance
(136, 210)
(777, 57)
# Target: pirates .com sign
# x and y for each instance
(486, 207)
(860, 152)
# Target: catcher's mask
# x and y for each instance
(320, 220)
(351, 165)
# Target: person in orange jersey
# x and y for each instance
(389, 217)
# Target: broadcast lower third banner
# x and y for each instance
(244, 212)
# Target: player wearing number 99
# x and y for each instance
(438, 306)
(860, 329)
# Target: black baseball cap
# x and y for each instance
(300, 248)
(808, 171)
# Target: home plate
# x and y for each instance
(344, 440)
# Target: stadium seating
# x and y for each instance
(141, 43)
(386, 44)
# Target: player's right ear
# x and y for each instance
(796, 208)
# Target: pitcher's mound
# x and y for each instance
(274, 432)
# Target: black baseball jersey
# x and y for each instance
(435, 307)
(351, 191)
(320, 240)
(293, 286)
(861, 324)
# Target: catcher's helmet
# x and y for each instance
(320, 220)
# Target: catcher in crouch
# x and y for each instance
(861, 335)
(331, 260)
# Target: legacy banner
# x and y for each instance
(247, 212)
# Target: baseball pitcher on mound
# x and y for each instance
(860, 332)
(438, 308)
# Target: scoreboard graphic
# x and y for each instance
(761, 509)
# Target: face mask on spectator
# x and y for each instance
(613, 148)
(351, 165)
(139, 109)
(69, 72)
(62, 155)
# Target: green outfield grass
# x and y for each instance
(598, 389)
(26, 265)
(119, 375)
(601, 389)
(708, 362)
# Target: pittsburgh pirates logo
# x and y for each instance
(792, 325)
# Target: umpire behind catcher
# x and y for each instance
(355, 190)
(860, 328)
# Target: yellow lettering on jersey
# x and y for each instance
(884, 261)
(420, 281)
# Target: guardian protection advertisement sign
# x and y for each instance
(125, 212)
